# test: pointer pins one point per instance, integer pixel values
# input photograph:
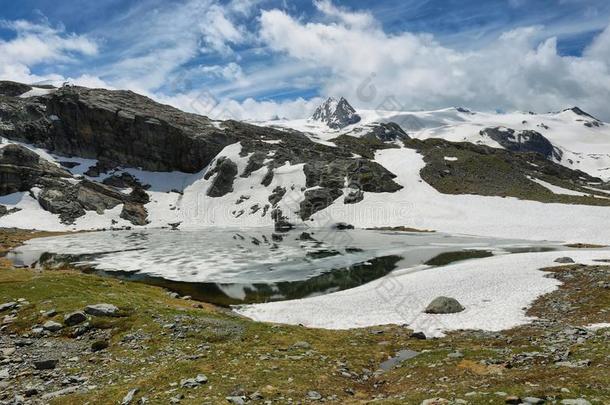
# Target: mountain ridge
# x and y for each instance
(121, 160)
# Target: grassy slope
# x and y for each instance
(496, 172)
(258, 357)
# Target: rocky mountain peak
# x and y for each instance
(336, 114)
(590, 121)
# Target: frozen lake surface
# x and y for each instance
(232, 266)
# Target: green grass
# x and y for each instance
(258, 357)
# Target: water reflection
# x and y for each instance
(227, 267)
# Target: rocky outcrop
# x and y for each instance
(589, 120)
(13, 89)
(378, 131)
(317, 200)
(336, 114)
(117, 126)
(21, 169)
(523, 141)
(225, 171)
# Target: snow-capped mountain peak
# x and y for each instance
(336, 114)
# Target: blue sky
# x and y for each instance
(257, 58)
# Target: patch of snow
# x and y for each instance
(558, 190)
(37, 91)
(418, 205)
(598, 326)
(493, 290)
(451, 159)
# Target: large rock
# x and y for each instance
(75, 318)
(102, 310)
(135, 213)
(52, 326)
(444, 305)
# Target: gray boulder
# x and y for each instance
(52, 326)
(74, 318)
(444, 305)
(7, 305)
(46, 364)
(102, 310)
(564, 260)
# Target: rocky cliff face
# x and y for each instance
(124, 129)
(115, 126)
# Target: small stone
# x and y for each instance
(102, 310)
(4, 374)
(74, 318)
(456, 355)
(314, 395)
(444, 305)
(418, 335)
(435, 401)
(533, 400)
(52, 326)
(512, 400)
(48, 364)
(65, 391)
(189, 383)
(37, 332)
(99, 345)
(301, 345)
(201, 379)
(127, 399)
(8, 351)
(564, 260)
(7, 305)
(236, 400)
(30, 391)
(176, 399)
(578, 401)
(574, 364)
(50, 313)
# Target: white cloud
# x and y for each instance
(514, 72)
(204, 103)
(35, 44)
(218, 31)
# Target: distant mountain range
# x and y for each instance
(79, 158)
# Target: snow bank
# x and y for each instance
(418, 205)
(494, 292)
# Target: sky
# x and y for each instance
(260, 59)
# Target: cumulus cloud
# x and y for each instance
(34, 44)
(204, 103)
(369, 66)
(231, 50)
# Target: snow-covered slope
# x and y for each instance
(244, 175)
(183, 198)
(584, 141)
